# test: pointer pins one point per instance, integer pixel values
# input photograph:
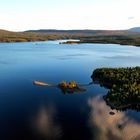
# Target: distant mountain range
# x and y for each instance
(90, 32)
(78, 32)
(135, 29)
(53, 31)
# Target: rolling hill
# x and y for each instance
(126, 37)
(135, 29)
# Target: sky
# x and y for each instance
(21, 15)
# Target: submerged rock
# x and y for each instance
(111, 113)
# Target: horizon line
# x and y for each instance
(67, 29)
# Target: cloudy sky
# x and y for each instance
(19, 15)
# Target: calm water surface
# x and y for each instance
(30, 112)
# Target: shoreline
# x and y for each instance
(72, 43)
(99, 42)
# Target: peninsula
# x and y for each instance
(123, 85)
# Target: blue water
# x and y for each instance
(29, 112)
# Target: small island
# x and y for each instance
(123, 85)
(70, 42)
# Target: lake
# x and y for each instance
(29, 112)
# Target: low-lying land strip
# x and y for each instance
(84, 36)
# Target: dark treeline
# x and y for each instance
(124, 85)
(109, 39)
(114, 39)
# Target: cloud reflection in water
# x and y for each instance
(111, 127)
(44, 124)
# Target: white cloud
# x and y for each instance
(87, 14)
(109, 127)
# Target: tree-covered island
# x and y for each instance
(123, 85)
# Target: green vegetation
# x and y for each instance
(123, 40)
(124, 85)
(114, 39)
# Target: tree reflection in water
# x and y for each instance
(111, 127)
